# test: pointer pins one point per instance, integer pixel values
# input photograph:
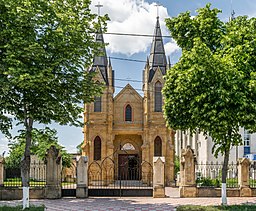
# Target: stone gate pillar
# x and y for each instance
(187, 173)
(158, 177)
(1, 171)
(243, 177)
(82, 177)
(53, 173)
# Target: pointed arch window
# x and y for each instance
(97, 148)
(158, 97)
(128, 113)
(158, 146)
(97, 104)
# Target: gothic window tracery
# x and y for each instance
(158, 146)
(128, 113)
(97, 104)
(97, 148)
(158, 97)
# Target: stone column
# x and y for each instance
(187, 173)
(243, 177)
(82, 177)
(53, 173)
(1, 171)
(158, 177)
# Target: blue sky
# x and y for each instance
(139, 17)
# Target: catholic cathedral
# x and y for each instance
(130, 128)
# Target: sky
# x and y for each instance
(139, 17)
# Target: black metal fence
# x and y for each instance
(68, 181)
(129, 176)
(12, 177)
(209, 175)
(252, 175)
(37, 175)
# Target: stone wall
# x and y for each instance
(188, 186)
(16, 193)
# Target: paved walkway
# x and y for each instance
(129, 203)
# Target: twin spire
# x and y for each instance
(101, 61)
(157, 58)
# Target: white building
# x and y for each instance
(202, 146)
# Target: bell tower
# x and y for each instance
(98, 115)
(157, 140)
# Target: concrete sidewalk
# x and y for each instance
(129, 203)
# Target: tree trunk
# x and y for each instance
(224, 171)
(25, 163)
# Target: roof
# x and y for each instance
(157, 56)
(101, 60)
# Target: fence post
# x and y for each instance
(1, 171)
(158, 177)
(53, 173)
(243, 177)
(82, 177)
(187, 173)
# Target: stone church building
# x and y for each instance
(127, 127)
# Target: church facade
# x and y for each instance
(128, 126)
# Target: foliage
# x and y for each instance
(212, 89)
(45, 48)
(79, 147)
(208, 182)
(196, 208)
(18, 208)
(42, 140)
(216, 208)
(176, 164)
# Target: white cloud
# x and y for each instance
(4, 146)
(133, 17)
(71, 148)
(171, 47)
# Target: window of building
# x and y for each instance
(158, 97)
(128, 113)
(247, 140)
(97, 148)
(158, 146)
(127, 147)
(97, 104)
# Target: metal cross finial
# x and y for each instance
(232, 11)
(99, 6)
(157, 5)
(233, 15)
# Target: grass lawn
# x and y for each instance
(32, 208)
(31, 183)
(217, 208)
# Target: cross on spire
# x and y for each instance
(98, 6)
(157, 5)
(232, 11)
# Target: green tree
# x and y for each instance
(79, 147)
(45, 47)
(42, 140)
(212, 87)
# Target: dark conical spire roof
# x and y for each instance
(157, 54)
(101, 60)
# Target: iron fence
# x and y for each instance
(252, 175)
(209, 175)
(37, 175)
(127, 176)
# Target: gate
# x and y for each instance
(68, 182)
(129, 176)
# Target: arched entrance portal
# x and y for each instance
(129, 161)
(128, 156)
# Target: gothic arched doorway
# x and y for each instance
(128, 163)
